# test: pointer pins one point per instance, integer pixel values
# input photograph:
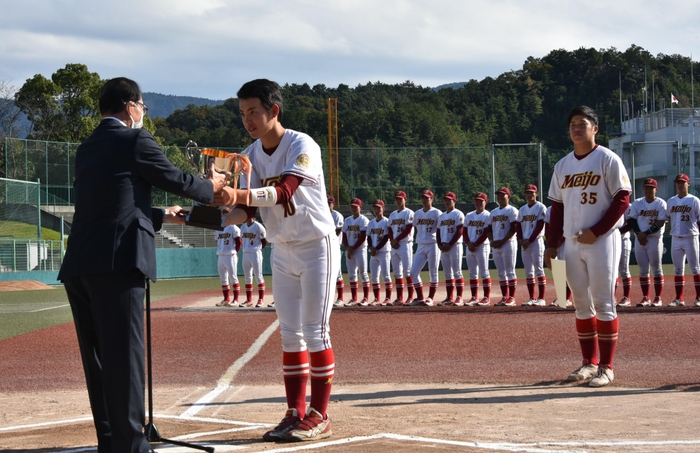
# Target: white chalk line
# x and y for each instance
(14, 309)
(533, 447)
(78, 450)
(224, 382)
(481, 445)
(45, 424)
(87, 419)
(50, 308)
(212, 420)
(222, 431)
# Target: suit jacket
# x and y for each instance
(114, 225)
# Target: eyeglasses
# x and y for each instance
(143, 106)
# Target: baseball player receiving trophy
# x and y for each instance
(287, 185)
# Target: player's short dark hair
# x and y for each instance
(116, 93)
(266, 90)
(583, 110)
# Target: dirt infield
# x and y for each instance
(408, 417)
(21, 285)
(407, 379)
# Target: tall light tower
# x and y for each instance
(333, 180)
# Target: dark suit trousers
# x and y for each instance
(108, 314)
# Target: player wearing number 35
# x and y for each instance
(590, 192)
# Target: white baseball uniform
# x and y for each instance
(684, 213)
(377, 230)
(425, 224)
(478, 261)
(625, 250)
(560, 252)
(586, 187)
(534, 253)
(353, 229)
(338, 220)
(502, 220)
(401, 257)
(623, 267)
(227, 261)
(307, 256)
(452, 259)
(560, 249)
(252, 237)
(649, 255)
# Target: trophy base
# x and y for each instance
(205, 217)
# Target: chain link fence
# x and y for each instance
(371, 173)
(366, 173)
(21, 215)
(20, 201)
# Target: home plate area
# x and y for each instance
(549, 417)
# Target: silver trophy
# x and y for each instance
(200, 159)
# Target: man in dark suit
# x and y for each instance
(111, 253)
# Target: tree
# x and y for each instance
(9, 118)
(9, 114)
(78, 99)
(37, 99)
(64, 108)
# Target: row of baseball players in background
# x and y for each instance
(448, 236)
(440, 237)
(251, 238)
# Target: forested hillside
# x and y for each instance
(402, 135)
(162, 105)
(529, 104)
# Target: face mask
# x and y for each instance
(136, 125)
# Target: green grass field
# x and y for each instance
(20, 230)
(27, 311)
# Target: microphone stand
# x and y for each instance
(150, 430)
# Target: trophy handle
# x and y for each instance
(234, 165)
(241, 164)
(190, 150)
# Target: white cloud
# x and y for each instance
(210, 47)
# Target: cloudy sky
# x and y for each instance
(208, 48)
